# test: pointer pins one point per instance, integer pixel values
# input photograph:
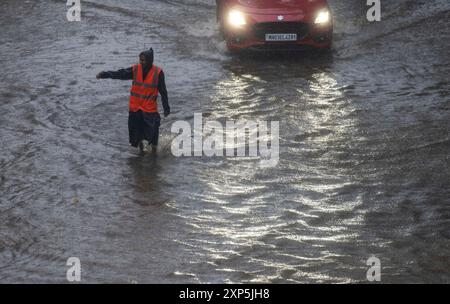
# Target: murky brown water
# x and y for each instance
(364, 160)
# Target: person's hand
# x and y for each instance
(100, 75)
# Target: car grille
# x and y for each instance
(261, 29)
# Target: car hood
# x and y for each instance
(271, 7)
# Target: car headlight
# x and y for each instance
(323, 17)
(236, 18)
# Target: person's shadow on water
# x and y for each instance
(146, 181)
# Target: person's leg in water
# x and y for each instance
(155, 140)
(137, 131)
(152, 123)
(133, 129)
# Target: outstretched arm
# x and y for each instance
(122, 74)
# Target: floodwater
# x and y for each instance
(364, 149)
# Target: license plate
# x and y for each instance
(281, 37)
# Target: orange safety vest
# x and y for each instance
(144, 93)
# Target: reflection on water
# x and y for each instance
(277, 213)
(145, 180)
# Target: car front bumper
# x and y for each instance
(253, 34)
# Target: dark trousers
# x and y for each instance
(142, 125)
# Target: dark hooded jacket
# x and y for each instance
(127, 74)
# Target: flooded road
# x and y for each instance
(364, 149)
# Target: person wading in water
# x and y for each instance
(144, 119)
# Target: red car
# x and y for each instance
(275, 24)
